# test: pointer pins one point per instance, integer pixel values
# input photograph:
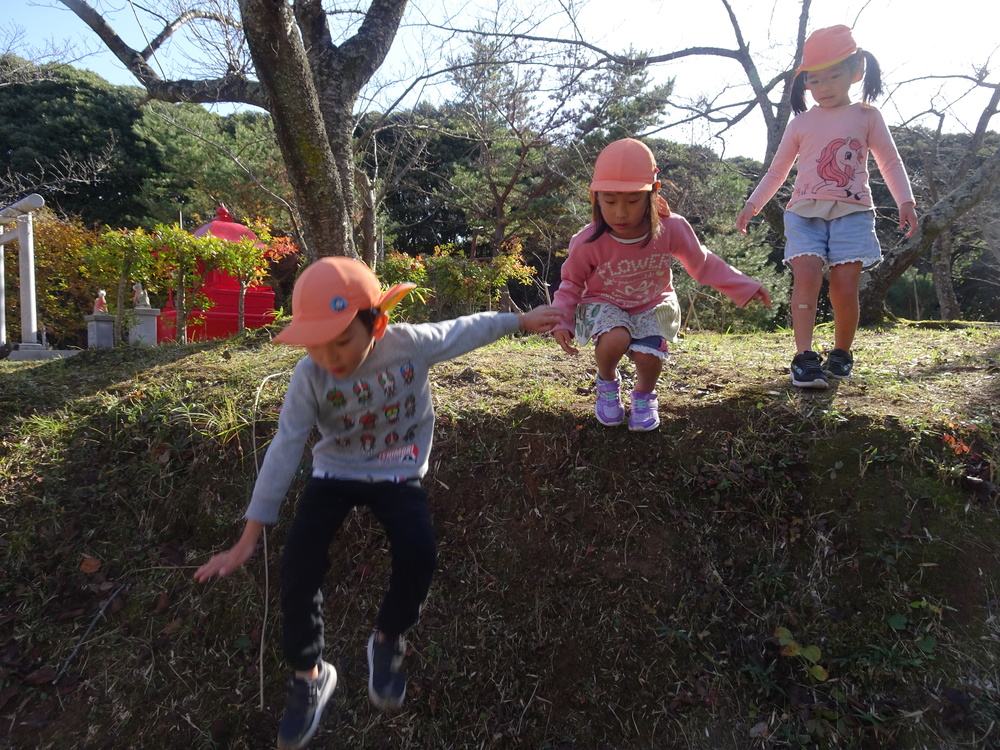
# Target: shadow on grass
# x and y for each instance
(596, 588)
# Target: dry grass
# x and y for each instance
(597, 588)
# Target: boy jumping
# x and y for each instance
(364, 384)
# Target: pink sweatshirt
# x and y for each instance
(637, 278)
(832, 145)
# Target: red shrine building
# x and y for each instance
(221, 320)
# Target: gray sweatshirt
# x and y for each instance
(377, 424)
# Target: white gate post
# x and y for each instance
(26, 266)
(20, 213)
(3, 301)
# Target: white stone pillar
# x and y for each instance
(143, 330)
(26, 270)
(100, 331)
(3, 301)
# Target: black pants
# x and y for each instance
(404, 513)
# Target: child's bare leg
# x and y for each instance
(845, 280)
(807, 279)
(609, 350)
(647, 371)
(311, 675)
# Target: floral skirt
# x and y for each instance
(650, 330)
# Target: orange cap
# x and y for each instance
(625, 166)
(329, 294)
(826, 47)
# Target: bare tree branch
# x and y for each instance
(235, 87)
(58, 176)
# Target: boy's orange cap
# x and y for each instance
(329, 294)
(625, 166)
(826, 47)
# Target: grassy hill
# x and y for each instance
(771, 569)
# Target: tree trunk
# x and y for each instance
(366, 193)
(283, 69)
(941, 259)
(116, 328)
(180, 305)
(241, 309)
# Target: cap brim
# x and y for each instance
(617, 186)
(311, 333)
(812, 68)
(394, 296)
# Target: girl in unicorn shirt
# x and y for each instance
(830, 220)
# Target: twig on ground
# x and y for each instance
(82, 638)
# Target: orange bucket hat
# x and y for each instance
(826, 47)
(625, 166)
(329, 294)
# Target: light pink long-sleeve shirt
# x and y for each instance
(637, 278)
(832, 146)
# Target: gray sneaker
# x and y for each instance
(386, 677)
(807, 371)
(839, 364)
(304, 706)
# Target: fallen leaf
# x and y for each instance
(41, 676)
(162, 603)
(160, 454)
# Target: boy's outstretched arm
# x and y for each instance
(541, 319)
(226, 562)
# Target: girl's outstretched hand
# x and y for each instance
(908, 216)
(762, 296)
(565, 339)
(541, 319)
(744, 218)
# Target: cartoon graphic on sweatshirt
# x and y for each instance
(837, 166)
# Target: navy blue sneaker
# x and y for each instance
(807, 371)
(304, 706)
(386, 678)
(839, 364)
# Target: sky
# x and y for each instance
(911, 39)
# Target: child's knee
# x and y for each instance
(615, 336)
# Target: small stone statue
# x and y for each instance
(140, 298)
(101, 304)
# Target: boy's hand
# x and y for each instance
(541, 319)
(223, 563)
(565, 339)
(226, 562)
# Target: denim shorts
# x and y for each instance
(847, 239)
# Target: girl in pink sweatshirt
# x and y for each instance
(618, 273)
(830, 220)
